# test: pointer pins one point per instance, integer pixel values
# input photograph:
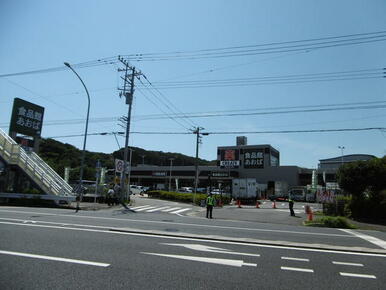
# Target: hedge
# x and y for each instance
(183, 197)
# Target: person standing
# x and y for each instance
(291, 206)
(209, 205)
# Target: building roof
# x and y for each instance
(348, 158)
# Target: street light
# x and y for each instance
(170, 174)
(341, 148)
(80, 193)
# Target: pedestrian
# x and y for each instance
(110, 194)
(291, 206)
(210, 201)
(117, 194)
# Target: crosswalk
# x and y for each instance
(166, 209)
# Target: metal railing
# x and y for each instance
(39, 171)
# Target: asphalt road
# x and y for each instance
(115, 249)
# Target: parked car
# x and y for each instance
(136, 189)
(215, 191)
(186, 189)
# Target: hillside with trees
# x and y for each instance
(60, 155)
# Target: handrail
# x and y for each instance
(34, 166)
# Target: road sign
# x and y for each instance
(119, 165)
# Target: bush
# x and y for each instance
(183, 197)
(331, 222)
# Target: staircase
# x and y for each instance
(42, 174)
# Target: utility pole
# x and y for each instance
(198, 140)
(341, 148)
(128, 92)
(170, 174)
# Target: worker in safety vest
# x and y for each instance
(291, 206)
(210, 201)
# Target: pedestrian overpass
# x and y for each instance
(51, 184)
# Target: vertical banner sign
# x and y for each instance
(229, 158)
(253, 158)
(27, 118)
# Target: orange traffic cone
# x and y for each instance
(257, 204)
(274, 204)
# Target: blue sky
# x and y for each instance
(44, 34)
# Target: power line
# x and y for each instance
(190, 123)
(269, 48)
(230, 132)
(168, 116)
(225, 113)
(231, 51)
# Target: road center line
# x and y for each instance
(184, 224)
(75, 261)
(347, 264)
(357, 275)
(295, 259)
(373, 240)
(118, 231)
(297, 269)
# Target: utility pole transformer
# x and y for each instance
(128, 92)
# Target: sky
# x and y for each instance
(39, 34)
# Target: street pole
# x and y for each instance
(341, 148)
(170, 174)
(129, 101)
(143, 159)
(197, 132)
(80, 192)
(129, 175)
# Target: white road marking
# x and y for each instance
(145, 208)
(54, 258)
(181, 210)
(295, 259)
(297, 269)
(373, 240)
(157, 209)
(227, 262)
(171, 209)
(138, 207)
(119, 231)
(347, 264)
(357, 275)
(181, 224)
(204, 248)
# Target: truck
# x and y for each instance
(244, 188)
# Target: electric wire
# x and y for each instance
(230, 132)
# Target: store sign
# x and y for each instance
(253, 158)
(229, 158)
(159, 173)
(220, 174)
(27, 118)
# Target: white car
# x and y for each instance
(136, 189)
(215, 191)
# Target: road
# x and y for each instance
(118, 249)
